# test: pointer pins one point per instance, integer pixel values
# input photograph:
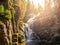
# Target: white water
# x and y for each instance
(28, 31)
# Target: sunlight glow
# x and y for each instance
(36, 2)
(52, 3)
(42, 2)
(33, 18)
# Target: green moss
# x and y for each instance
(21, 37)
(1, 9)
(10, 3)
(7, 11)
(8, 14)
(13, 10)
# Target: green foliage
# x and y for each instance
(1, 28)
(5, 13)
(10, 4)
(1, 9)
(1, 23)
(8, 14)
(21, 37)
(22, 5)
(5, 18)
(13, 10)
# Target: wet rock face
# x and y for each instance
(46, 27)
(17, 14)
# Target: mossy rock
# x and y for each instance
(8, 14)
(21, 37)
(1, 9)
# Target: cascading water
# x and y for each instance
(28, 32)
(31, 36)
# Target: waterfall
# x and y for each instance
(27, 31)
